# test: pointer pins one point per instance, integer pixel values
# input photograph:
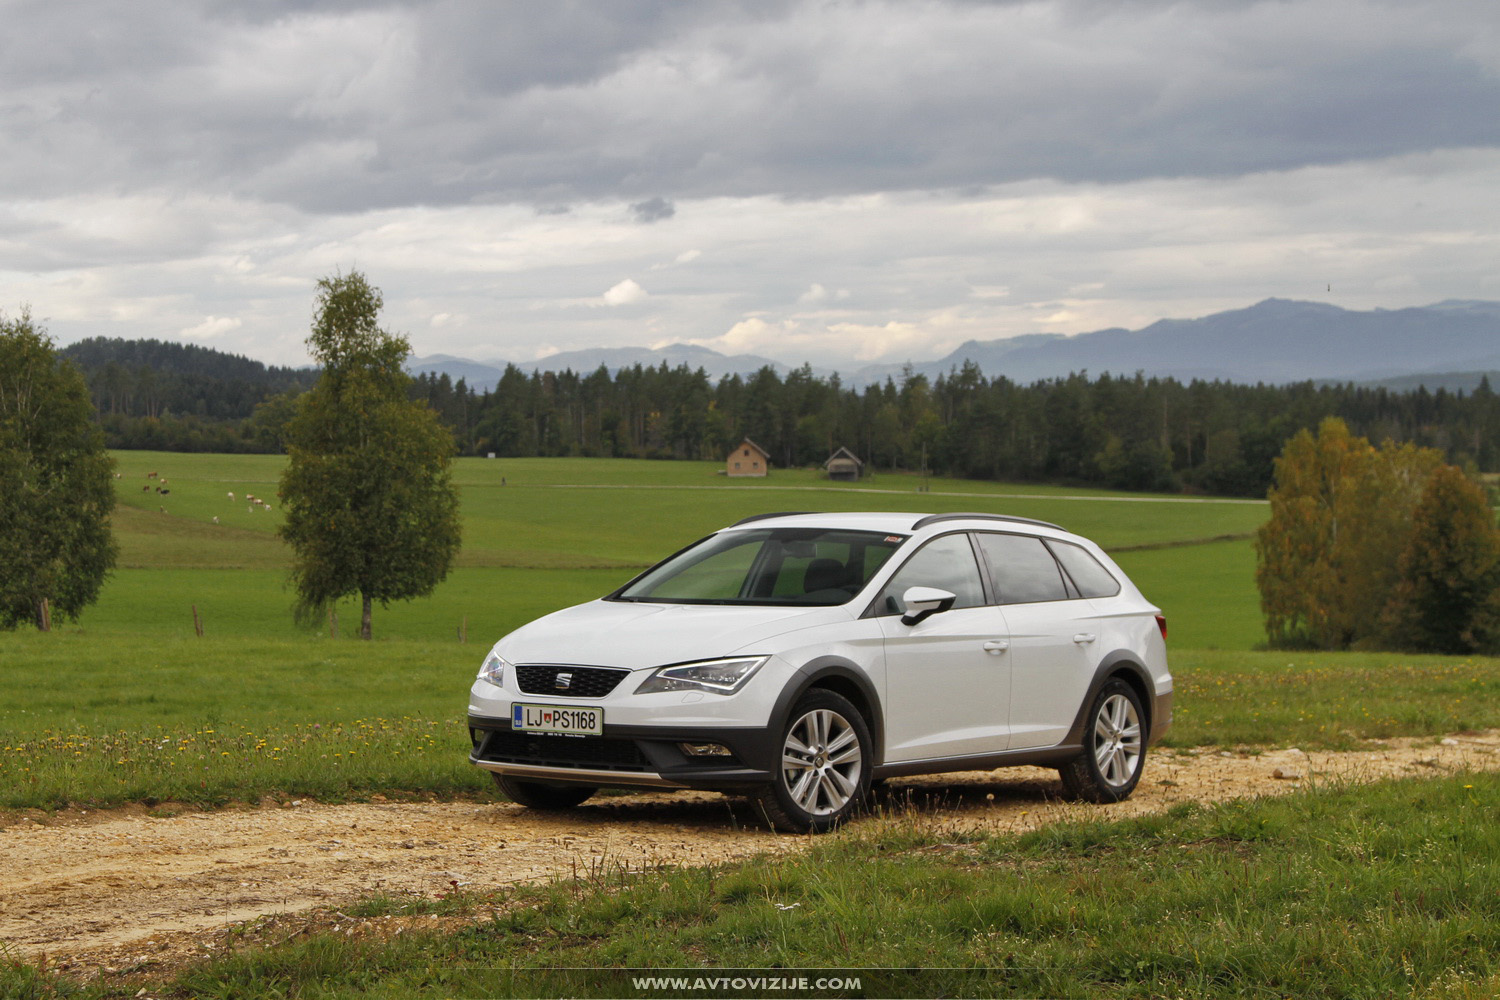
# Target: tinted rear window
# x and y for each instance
(1089, 575)
(1022, 569)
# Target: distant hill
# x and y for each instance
(992, 357)
(483, 376)
(168, 358)
(1280, 341)
(1433, 381)
(1275, 341)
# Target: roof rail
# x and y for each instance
(762, 517)
(935, 518)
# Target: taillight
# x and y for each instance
(1161, 623)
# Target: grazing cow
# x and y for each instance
(231, 496)
(216, 519)
(146, 488)
(164, 492)
(150, 475)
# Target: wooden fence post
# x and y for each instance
(44, 616)
(197, 623)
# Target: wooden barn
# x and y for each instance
(747, 459)
(844, 465)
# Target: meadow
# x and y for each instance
(1385, 890)
(130, 705)
(594, 523)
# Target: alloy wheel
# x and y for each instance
(821, 762)
(1117, 740)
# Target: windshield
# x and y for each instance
(776, 566)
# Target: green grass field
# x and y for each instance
(129, 705)
(593, 523)
(1381, 891)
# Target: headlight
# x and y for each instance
(716, 676)
(493, 670)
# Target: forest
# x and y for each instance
(1126, 432)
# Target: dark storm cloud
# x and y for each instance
(653, 210)
(334, 108)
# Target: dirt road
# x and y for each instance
(126, 890)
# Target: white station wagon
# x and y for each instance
(799, 657)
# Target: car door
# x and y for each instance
(1054, 637)
(947, 678)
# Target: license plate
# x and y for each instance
(557, 719)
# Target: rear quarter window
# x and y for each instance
(1088, 574)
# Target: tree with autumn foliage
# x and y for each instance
(1447, 600)
(1340, 509)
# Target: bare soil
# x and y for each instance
(123, 891)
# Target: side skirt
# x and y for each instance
(1038, 757)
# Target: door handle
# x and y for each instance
(997, 645)
(1084, 638)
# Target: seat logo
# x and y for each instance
(564, 681)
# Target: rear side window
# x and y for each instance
(1022, 569)
(1089, 576)
(946, 563)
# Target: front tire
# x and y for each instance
(1114, 744)
(823, 774)
(535, 795)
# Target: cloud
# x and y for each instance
(946, 170)
(653, 210)
(817, 294)
(364, 105)
(626, 293)
(795, 340)
(211, 327)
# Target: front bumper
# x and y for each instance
(625, 756)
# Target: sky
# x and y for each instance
(814, 181)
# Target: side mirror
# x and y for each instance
(924, 602)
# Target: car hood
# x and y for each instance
(627, 634)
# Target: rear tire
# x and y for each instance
(535, 795)
(1114, 747)
(823, 774)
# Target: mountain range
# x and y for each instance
(1274, 341)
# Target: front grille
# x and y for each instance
(600, 753)
(583, 682)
